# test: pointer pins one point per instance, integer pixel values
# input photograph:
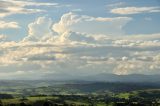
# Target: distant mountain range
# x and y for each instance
(107, 78)
(123, 78)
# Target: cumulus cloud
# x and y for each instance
(39, 29)
(66, 21)
(3, 38)
(75, 37)
(73, 51)
(135, 10)
(78, 57)
(124, 68)
(146, 37)
(6, 25)
(81, 23)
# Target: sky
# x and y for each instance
(42, 38)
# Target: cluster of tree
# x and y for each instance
(6, 96)
(51, 103)
(142, 99)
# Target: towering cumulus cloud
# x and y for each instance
(81, 23)
(57, 39)
(39, 29)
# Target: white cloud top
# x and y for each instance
(100, 25)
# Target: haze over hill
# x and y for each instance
(106, 78)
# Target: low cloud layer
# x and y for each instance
(48, 49)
